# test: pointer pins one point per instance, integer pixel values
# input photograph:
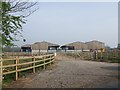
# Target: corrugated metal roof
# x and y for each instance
(74, 43)
(48, 43)
(27, 45)
(96, 41)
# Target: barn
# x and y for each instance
(39, 47)
(44, 47)
(26, 48)
(81, 46)
(75, 46)
(95, 45)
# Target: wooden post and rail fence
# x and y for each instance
(32, 63)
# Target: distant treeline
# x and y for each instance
(11, 49)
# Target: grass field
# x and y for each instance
(113, 57)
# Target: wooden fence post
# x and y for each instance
(1, 73)
(50, 60)
(33, 64)
(17, 61)
(54, 58)
(44, 62)
(54, 55)
(101, 55)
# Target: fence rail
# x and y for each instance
(14, 54)
(15, 64)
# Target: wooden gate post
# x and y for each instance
(54, 58)
(33, 64)
(44, 62)
(50, 60)
(1, 74)
(101, 55)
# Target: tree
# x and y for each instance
(11, 49)
(13, 14)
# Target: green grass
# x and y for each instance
(23, 73)
(8, 79)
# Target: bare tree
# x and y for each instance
(23, 7)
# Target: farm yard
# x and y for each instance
(62, 45)
(68, 71)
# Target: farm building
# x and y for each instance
(26, 48)
(44, 46)
(80, 46)
(40, 47)
(95, 45)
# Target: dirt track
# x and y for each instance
(72, 73)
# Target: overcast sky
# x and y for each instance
(63, 23)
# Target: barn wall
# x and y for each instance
(95, 45)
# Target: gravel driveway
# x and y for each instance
(72, 74)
